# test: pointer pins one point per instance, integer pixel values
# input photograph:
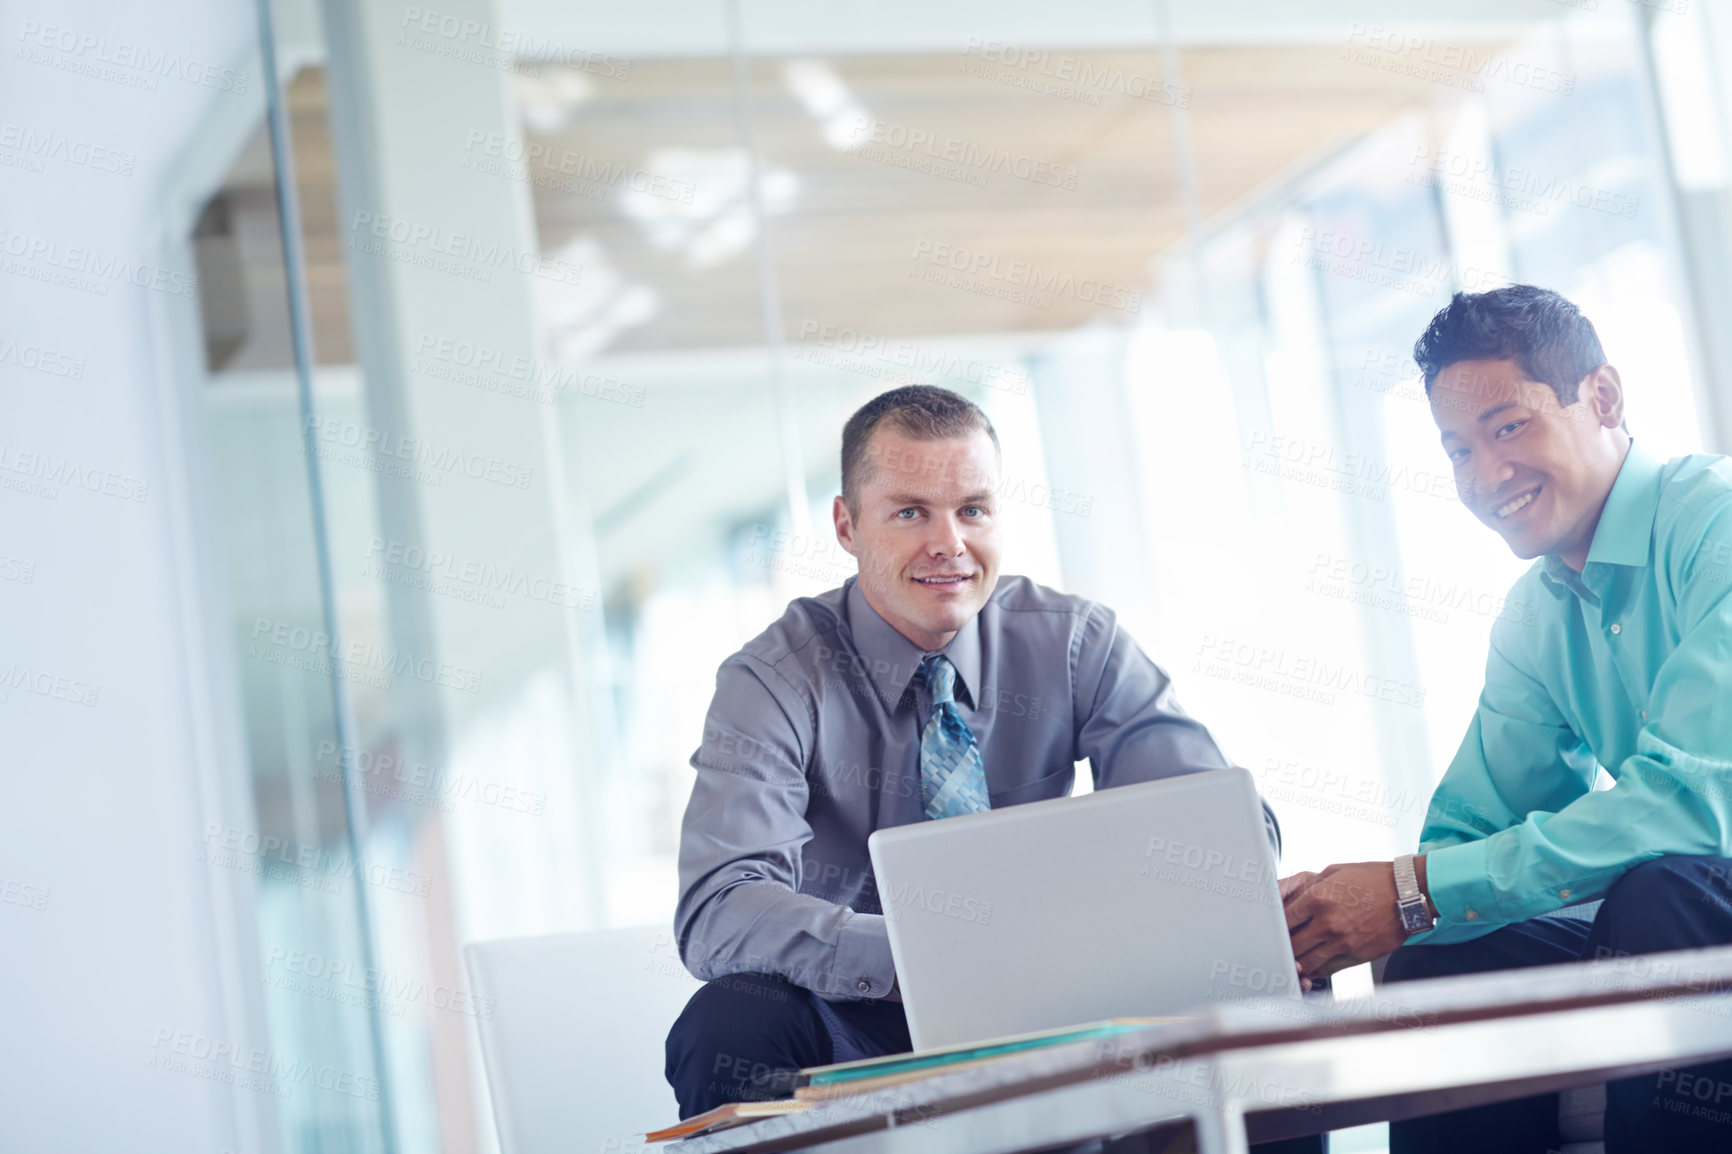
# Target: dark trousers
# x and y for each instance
(744, 1038)
(1670, 903)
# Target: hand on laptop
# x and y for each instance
(1341, 917)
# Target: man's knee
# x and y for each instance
(1671, 902)
(1538, 942)
(1665, 879)
(741, 1011)
(1415, 963)
(740, 1030)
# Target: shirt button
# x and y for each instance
(1616, 628)
(1471, 915)
(1644, 715)
(1565, 894)
(862, 986)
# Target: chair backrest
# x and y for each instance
(572, 1031)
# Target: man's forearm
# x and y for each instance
(764, 927)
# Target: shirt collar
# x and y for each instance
(1562, 580)
(892, 660)
(1626, 526)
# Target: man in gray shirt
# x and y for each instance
(923, 687)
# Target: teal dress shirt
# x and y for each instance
(1626, 665)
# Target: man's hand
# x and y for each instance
(1342, 917)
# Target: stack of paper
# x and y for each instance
(726, 1115)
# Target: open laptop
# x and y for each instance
(1141, 901)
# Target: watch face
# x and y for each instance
(1414, 918)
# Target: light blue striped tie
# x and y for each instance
(952, 776)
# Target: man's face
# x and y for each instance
(1535, 471)
(925, 531)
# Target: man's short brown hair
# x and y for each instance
(924, 412)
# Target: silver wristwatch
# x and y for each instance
(1415, 914)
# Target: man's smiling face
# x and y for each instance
(1536, 471)
(925, 532)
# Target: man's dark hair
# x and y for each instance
(924, 412)
(1538, 329)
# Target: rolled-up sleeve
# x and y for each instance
(740, 909)
(1131, 726)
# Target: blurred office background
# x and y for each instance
(404, 408)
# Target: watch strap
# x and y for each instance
(1406, 879)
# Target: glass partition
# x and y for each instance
(320, 894)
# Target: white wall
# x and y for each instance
(112, 756)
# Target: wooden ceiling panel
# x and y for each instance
(845, 224)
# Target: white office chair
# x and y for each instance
(573, 1046)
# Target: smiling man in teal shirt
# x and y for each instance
(1625, 666)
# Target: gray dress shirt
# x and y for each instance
(813, 741)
